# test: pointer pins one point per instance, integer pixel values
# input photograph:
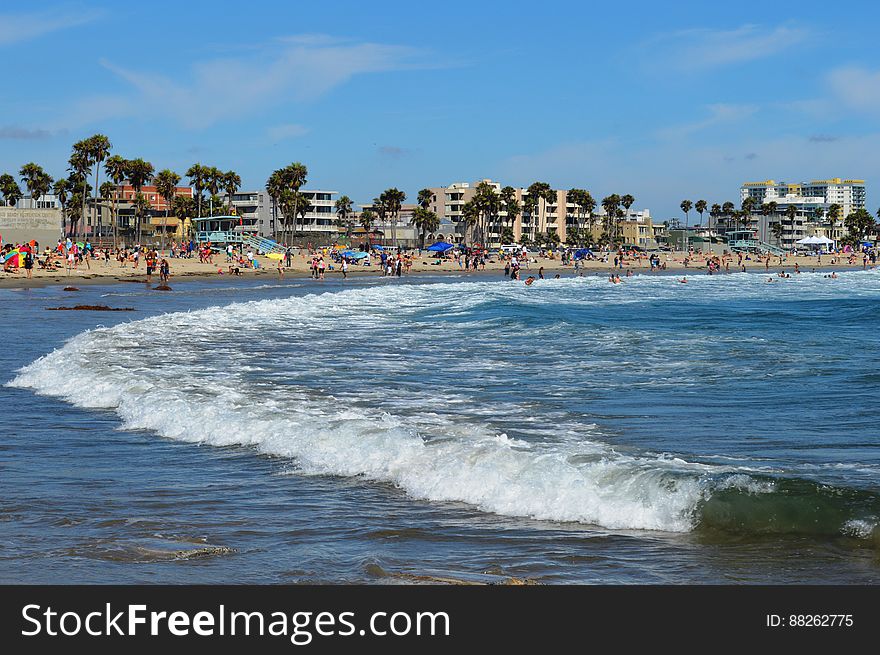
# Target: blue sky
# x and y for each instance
(665, 101)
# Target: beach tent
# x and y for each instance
(352, 254)
(581, 253)
(376, 246)
(440, 246)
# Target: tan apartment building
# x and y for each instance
(556, 216)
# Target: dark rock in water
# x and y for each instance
(92, 308)
(71, 289)
(162, 287)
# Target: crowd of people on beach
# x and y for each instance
(69, 255)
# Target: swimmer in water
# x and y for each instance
(529, 280)
(683, 280)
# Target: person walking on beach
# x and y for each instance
(321, 268)
(288, 255)
(344, 268)
(164, 271)
(280, 269)
(541, 273)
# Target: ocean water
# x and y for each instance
(383, 431)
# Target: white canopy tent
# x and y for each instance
(815, 241)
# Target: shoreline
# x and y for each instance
(191, 270)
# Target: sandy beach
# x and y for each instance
(99, 272)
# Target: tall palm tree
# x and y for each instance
(231, 184)
(198, 177)
(701, 206)
(538, 191)
(106, 194)
(610, 206)
(511, 207)
(294, 176)
(343, 208)
(185, 209)
(213, 181)
(10, 189)
(791, 213)
(139, 172)
(275, 187)
(393, 200)
(686, 206)
(116, 167)
(166, 186)
(488, 205)
(626, 202)
(368, 219)
(61, 188)
(470, 214)
(98, 147)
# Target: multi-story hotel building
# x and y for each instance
(556, 216)
(808, 196)
(810, 200)
(321, 218)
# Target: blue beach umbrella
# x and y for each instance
(440, 246)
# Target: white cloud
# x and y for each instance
(701, 49)
(856, 88)
(289, 70)
(718, 114)
(15, 28)
(286, 131)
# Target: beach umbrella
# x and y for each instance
(13, 258)
(440, 246)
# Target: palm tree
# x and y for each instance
(115, 167)
(538, 191)
(368, 219)
(393, 199)
(343, 207)
(106, 194)
(61, 188)
(275, 187)
(294, 177)
(470, 214)
(425, 221)
(37, 181)
(776, 230)
(701, 206)
(791, 213)
(184, 208)
(198, 177)
(166, 186)
(727, 208)
(231, 184)
(686, 206)
(488, 204)
(10, 189)
(213, 180)
(626, 201)
(610, 205)
(139, 172)
(98, 147)
(425, 198)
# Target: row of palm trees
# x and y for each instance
(859, 223)
(74, 193)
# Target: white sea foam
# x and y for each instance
(179, 375)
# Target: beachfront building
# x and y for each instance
(317, 224)
(809, 202)
(552, 218)
(808, 196)
(153, 218)
(46, 201)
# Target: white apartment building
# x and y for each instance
(258, 205)
(808, 196)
